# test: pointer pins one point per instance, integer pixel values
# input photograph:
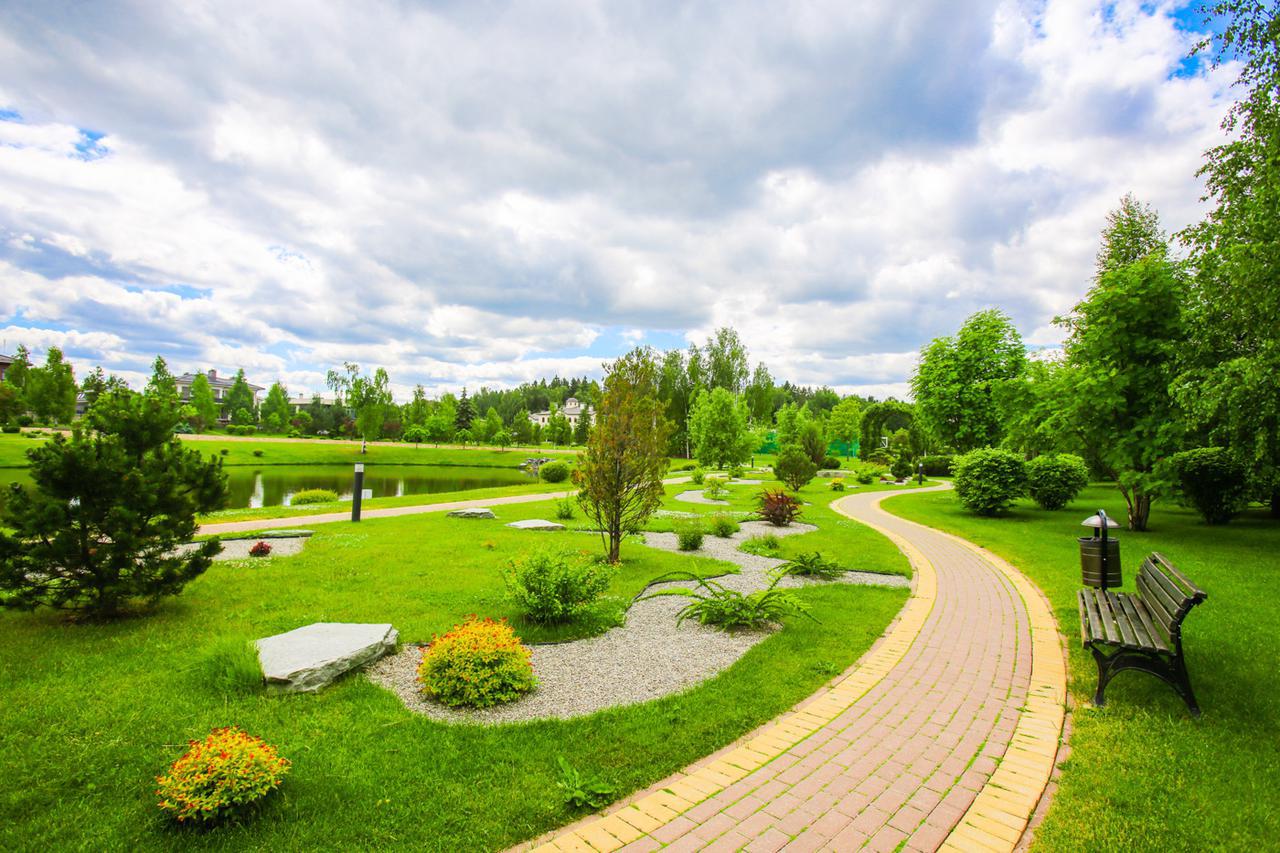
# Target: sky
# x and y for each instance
(484, 193)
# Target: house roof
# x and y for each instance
(305, 400)
(6, 359)
(215, 381)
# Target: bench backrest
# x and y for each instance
(1168, 594)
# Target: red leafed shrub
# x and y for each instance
(478, 664)
(261, 549)
(227, 770)
(777, 507)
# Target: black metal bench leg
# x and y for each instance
(1181, 682)
(1104, 676)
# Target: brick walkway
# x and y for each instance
(898, 752)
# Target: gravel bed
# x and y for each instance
(696, 497)
(646, 658)
(238, 549)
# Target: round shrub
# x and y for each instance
(830, 463)
(226, 771)
(697, 476)
(1213, 482)
(257, 453)
(794, 467)
(11, 429)
(901, 468)
(987, 481)
(837, 485)
(724, 526)
(937, 466)
(736, 471)
(1054, 480)
(689, 536)
(313, 496)
(549, 587)
(554, 472)
(564, 509)
(479, 664)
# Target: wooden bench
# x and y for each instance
(1142, 631)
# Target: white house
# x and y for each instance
(572, 410)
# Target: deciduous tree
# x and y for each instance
(718, 427)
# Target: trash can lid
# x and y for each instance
(1094, 521)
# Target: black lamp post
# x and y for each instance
(357, 492)
(920, 474)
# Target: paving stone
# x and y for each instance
(473, 512)
(308, 658)
(535, 524)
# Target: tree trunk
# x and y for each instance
(1139, 511)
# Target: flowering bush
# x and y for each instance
(260, 549)
(480, 663)
(837, 485)
(227, 770)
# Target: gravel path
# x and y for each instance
(645, 658)
(697, 497)
(238, 549)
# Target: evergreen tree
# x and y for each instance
(161, 385)
(240, 398)
(582, 429)
(464, 414)
(275, 409)
(203, 404)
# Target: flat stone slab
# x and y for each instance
(308, 658)
(473, 512)
(536, 524)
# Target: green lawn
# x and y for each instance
(1143, 774)
(90, 713)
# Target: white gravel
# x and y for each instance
(646, 658)
(238, 549)
(697, 497)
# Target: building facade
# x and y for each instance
(5, 361)
(572, 410)
(219, 385)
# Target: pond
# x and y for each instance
(275, 485)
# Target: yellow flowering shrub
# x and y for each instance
(225, 771)
(478, 664)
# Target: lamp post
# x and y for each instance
(920, 474)
(357, 492)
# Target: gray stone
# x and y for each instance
(272, 534)
(305, 659)
(475, 512)
(536, 524)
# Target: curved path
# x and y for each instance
(942, 737)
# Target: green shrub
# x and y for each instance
(794, 467)
(697, 475)
(1212, 482)
(689, 535)
(257, 453)
(11, 429)
(220, 775)
(724, 526)
(736, 471)
(564, 509)
(901, 468)
(866, 476)
(478, 664)
(313, 496)
(712, 603)
(551, 587)
(988, 480)
(554, 472)
(777, 507)
(765, 545)
(1054, 480)
(830, 463)
(224, 451)
(715, 490)
(937, 466)
(813, 565)
(24, 420)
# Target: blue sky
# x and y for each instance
(473, 194)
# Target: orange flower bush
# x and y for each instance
(478, 664)
(225, 771)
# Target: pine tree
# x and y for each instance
(465, 413)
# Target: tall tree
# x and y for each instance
(109, 510)
(1124, 343)
(367, 397)
(417, 410)
(10, 402)
(202, 402)
(161, 385)
(759, 395)
(844, 422)
(51, 389)
(239, 398)
(582, 429)
(275, 408)
(674, 392)
(1132, 232)
(464, 414)
(93, 385)
(1229, 386)
(719, 429)
(626, 457)
(17, 373)
(957, 379)
(558, 431)
(726, 361)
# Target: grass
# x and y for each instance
(1142, 773)
(91, 712)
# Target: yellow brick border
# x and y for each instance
(681, 792)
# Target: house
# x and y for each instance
(5, 361)
(302, 401)
(220, 385)
(572, 410)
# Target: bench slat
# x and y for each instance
(1127, 635)
(1144, 617)
(1181, 601)
(1085, 634)
(1096, 631)
(1191, 590)
(1162, 609)
(1108, 620)
(1141, 634)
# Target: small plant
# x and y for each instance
(715, 490)
(762, 546)
(478, 664)
(224, 451)
(219, 775)
(937, 466)
(689, 535)
(581, 791)
(554, 472)
(794, 467)
(550, 587)
(813, 565)
(565, 509)
(988, 480)
(257, 453)
(1212, 482)
(830, 463)
(724, 526)
(866, 477)
(736, 471)
(712, 603)
(837, 485)
(260, 549)
(488, 544)
(901, 468)
(777, 507)
(697, 475)
(1053, 481)
(313, 496)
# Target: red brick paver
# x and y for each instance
(903, 763)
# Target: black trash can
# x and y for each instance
(1100, 555)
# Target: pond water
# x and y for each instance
(275, 485)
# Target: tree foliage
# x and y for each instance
(203, 404)
(621, 471)
(102, 525)
(794, 467)
(367, 397)
(988, 480)
(718, 427)
(50, 391)
(275, 409)
(240, 397)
